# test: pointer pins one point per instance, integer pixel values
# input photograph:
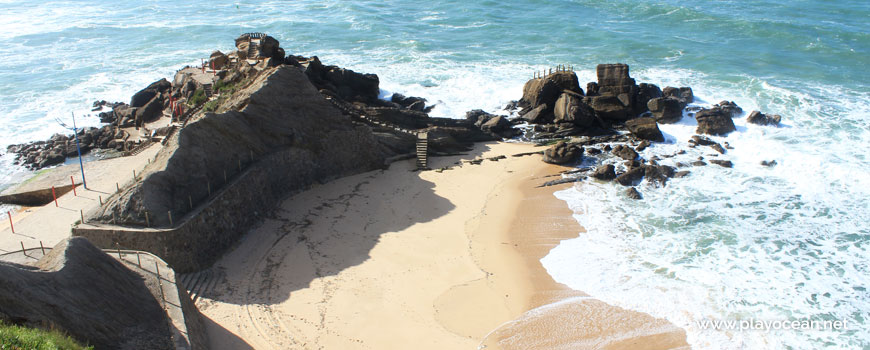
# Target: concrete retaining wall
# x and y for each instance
(205, 234)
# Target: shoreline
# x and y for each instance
(388, 258)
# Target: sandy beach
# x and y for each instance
(398, 259)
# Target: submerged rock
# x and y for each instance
(759, 118)
(632, 193)
(604, 172)
(714, 122)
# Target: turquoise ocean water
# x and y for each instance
(781, 243)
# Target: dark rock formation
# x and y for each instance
(645, 128)
(658, 174)
(666, 110)
(562, 153)
(642, 146)
(605, 172)
(684, 94)
(547, 89)
(630, 177)
(766, 163)
(347, 84)
(632, 193)
(145, 95)
(571, 109)
(82, 291)
(730, 108)
(624, 152)
(698, 140)
(722, 163)
(714, 122)
(541, 114)
(218, 60)
(759, 118)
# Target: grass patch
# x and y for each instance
(211, 106)
(197, 98)
(225, 87)
(16, 337)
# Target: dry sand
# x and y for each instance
(398, 259)
(50, 224)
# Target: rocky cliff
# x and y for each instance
(82, 291)
(273, 111)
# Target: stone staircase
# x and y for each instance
(208, 90)
(423, 151)
(252, 48)
(198, 283)
(422, 144)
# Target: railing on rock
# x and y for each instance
(557, 69)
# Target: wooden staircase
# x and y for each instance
(423, 151)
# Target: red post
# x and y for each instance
(10, 221)
(74, 185)
(53, 194)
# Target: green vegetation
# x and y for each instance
(16, 337)
(211, 106)
(225, 87)
(197, 98)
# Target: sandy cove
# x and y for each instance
(396, 259)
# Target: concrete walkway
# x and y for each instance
(51, 224)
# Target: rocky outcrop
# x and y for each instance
(547, 89)
(631, 177)
(347, 84)
(604, 172)
(570, 108)
(729, 108)
(41, 154)
(82, 291)
(278, 111)
(624, 152)
(645, 128)
(632, 193)
(683, 94)
(563, 153)
(714, 121)
(759, 118)
(666, 110)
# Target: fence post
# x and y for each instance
(82, 214)
(114, 222)
(147, 222)
(138, 259)
(22, 248)
(73, 185)
(134, 175)
(118, 247)
(101, 200)
(10, 221)
(170, 217)
(42, 247)
(117, 187)
(54, 195)
(190, 201)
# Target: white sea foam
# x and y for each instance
(750, 242)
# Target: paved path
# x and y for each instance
(51, 224)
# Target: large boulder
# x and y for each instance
(571, 109)
(605, 172)
(645, 128)
(539, 115)
(150, 111)
(759, 118)
(611, 108)
(547, 89)
(614, 79)
(666, 110)
(562, 153)
(684, 94)
(142, 97)
(218, 60)
(624, 152)
(729, 107)
(714, 121)
(645, 93)
(630, 177)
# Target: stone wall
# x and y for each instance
(205, 234)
